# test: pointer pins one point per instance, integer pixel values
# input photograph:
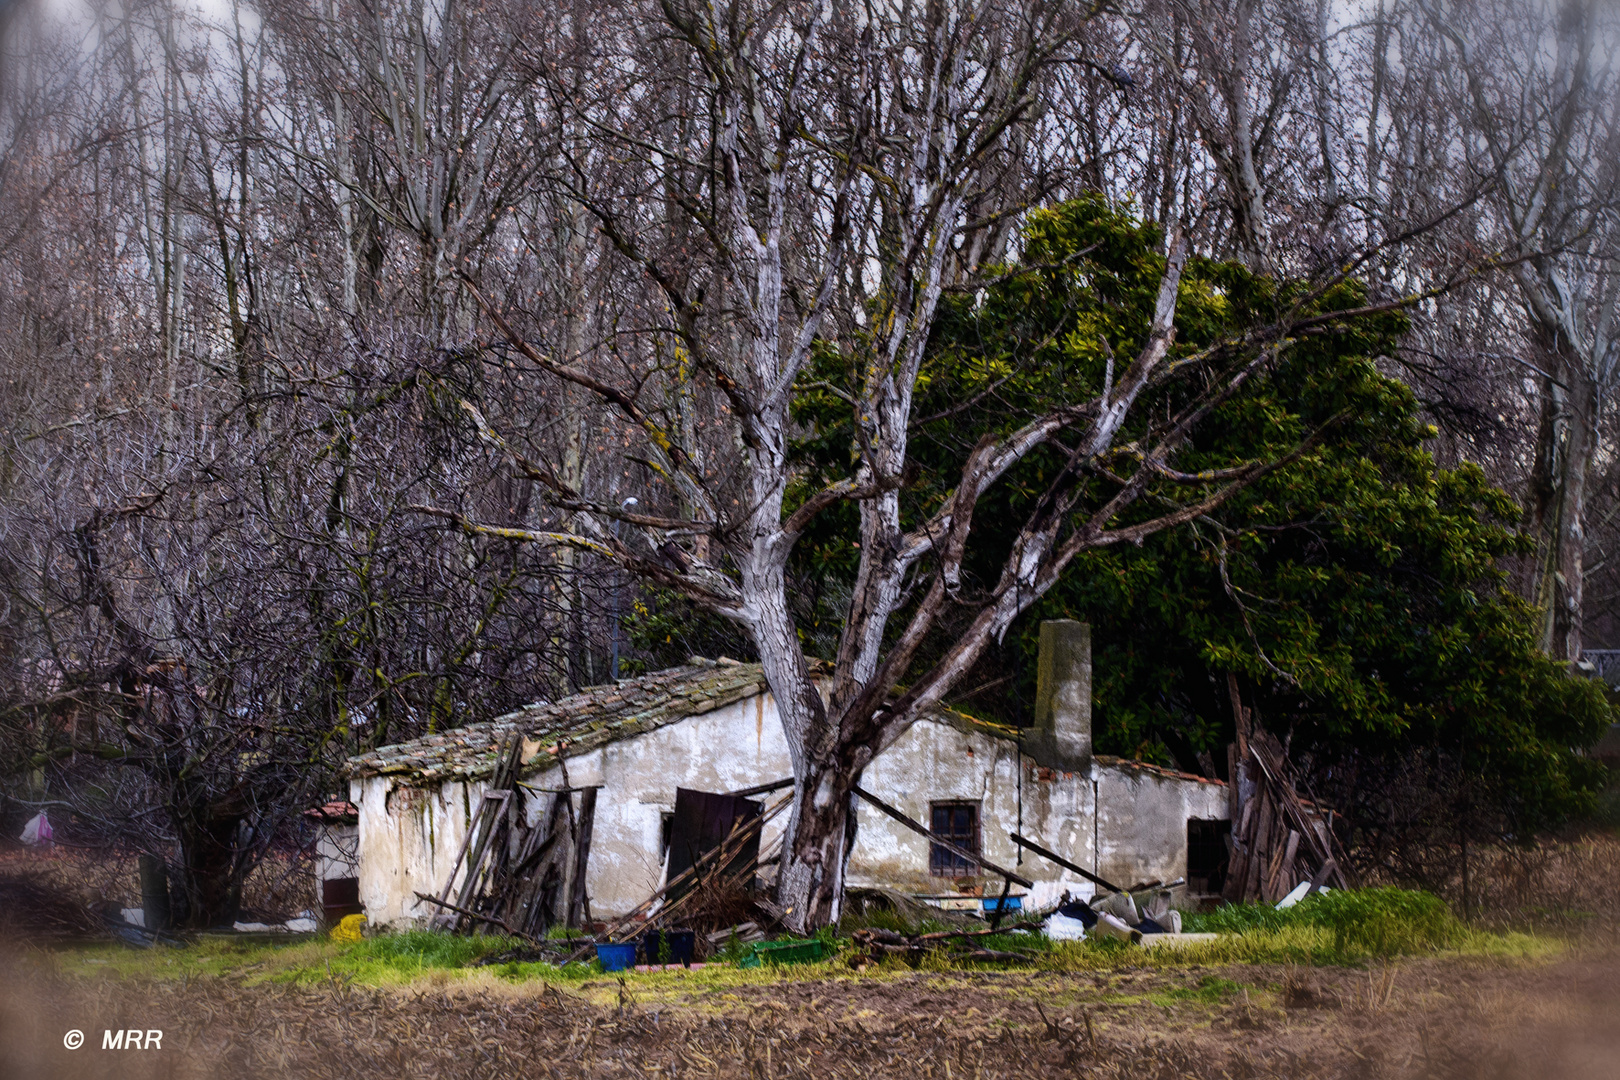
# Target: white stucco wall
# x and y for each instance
(937, 762)
(1143, 823)
(1140, 834)
(409, 841)
(337, 851)
(409, 837)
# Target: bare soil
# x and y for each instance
(1448, 1018)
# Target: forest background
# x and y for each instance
(374, 369)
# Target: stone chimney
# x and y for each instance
(1061, 738)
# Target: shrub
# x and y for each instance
(1364, 922)
(1383, 922)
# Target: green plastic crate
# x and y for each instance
(787, 952)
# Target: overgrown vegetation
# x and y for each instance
(1380, 922)
(1344, 927)
(1358, 594)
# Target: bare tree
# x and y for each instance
(793, 179)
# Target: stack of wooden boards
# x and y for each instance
(1278, 838)
(519, 877)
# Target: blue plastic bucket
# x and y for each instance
(616, 957)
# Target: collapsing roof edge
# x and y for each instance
(584, 721)
(964, 722)
(601, 715)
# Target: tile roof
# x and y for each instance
(574, 725)
(336, 812)
(1131, 765)
(604, 714)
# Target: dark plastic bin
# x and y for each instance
(616, 957)
(669, 946)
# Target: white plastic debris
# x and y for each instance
(38, 831)
(1158, 908)
(1299, 893)
(134, 916)
(301, 925)
(1059, 927)
(1109, 925)
(1120, 906)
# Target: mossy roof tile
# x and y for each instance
(584, 721)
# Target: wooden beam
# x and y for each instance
(579, 903)
(1052, 856)
(761, 789)
(962, 852)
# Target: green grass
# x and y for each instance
(1211, 990)
(1360, 923)
(1343, 927)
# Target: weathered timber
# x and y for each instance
(761, 789)
(1052, 856)
(502, 923)
(579, 904)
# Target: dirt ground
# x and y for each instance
(1450, 1018)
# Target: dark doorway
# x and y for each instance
(340, 897)
(701, 823)
(1207, 855)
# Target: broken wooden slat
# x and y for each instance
(761, 789)
(1065, 863)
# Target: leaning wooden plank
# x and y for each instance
(487, 821)
(724, 852)
(473, 825)
(960, 852)
(761, 789)
(579, 904)
(1051, 856)
(481, 918)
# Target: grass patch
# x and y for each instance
(1211, 990)
(1360, 923)
(1342, 927)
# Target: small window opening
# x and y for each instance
(1207, 855)
(957, 822)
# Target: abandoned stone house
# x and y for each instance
(711, 726)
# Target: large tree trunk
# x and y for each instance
(210, 877)
(810, 884)
(1566, 444)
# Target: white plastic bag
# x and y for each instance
(38, 832)
(1059, 927)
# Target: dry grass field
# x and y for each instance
(1435, 1017)
(1548, 1012)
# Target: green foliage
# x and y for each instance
(1358, 592)
(1380, 922)
(1384, 922)
(1211, 990)
(427, 949)
(1237, 919)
